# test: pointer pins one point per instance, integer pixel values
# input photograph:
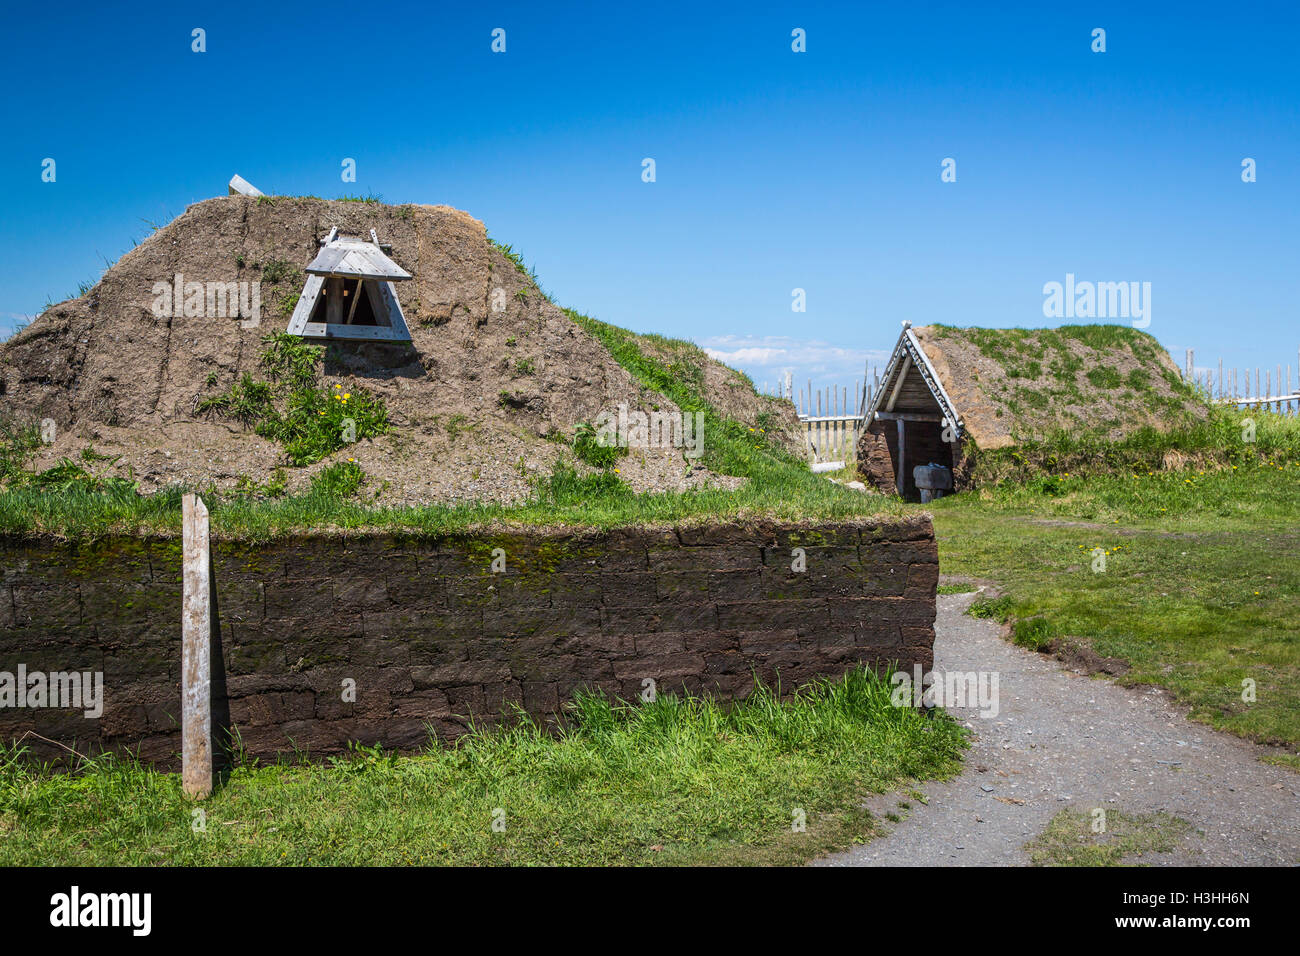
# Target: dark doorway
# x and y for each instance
(921, 444)
(336, 299)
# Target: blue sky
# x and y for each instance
(775, 170)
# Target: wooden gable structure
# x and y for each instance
(911, 421)
(349, 293)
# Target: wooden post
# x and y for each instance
(196, 653)
(901, 457)
(334, 300)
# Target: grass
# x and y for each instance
(309, 421)
(1226, 437)
(1070, 840)
(516, 260)
(956, 588)
(340, 480)
(1053, 375)
(1290, 761)
(1201, 587)
(676, 781)
(589, 448)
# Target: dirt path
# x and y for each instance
(1064, 740)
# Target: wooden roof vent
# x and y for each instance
(349, 293)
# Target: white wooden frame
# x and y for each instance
(383, 301)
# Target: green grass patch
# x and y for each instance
(309, 421)
(589, 447)
(1226, 437)
(1290, 761)
(1071, 838)
(997, 609)
(677, 781)
(1104, 377)
(276, 486)
(340, 480)
(17, 443)
(516, 260)
(956, 588)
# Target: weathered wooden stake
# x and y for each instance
(196, 654)
(901, 456)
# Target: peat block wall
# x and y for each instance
(434, 638)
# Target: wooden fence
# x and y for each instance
(1274, 389)
(831, 417)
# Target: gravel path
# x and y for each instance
(1065, 740)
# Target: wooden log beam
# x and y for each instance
(355, 299)
(902, 455)
(196, 651)
(898, 383)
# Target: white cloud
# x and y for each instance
(779, 352)
(766, 359)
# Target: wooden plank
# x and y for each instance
(366, 333)
(356, 258)
(1260, 400)
(239, 186)
(396, 318)
(306, 302)
(196, 651)
(909, 417)
(902, 455)
(898, 383)
(352, 310)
